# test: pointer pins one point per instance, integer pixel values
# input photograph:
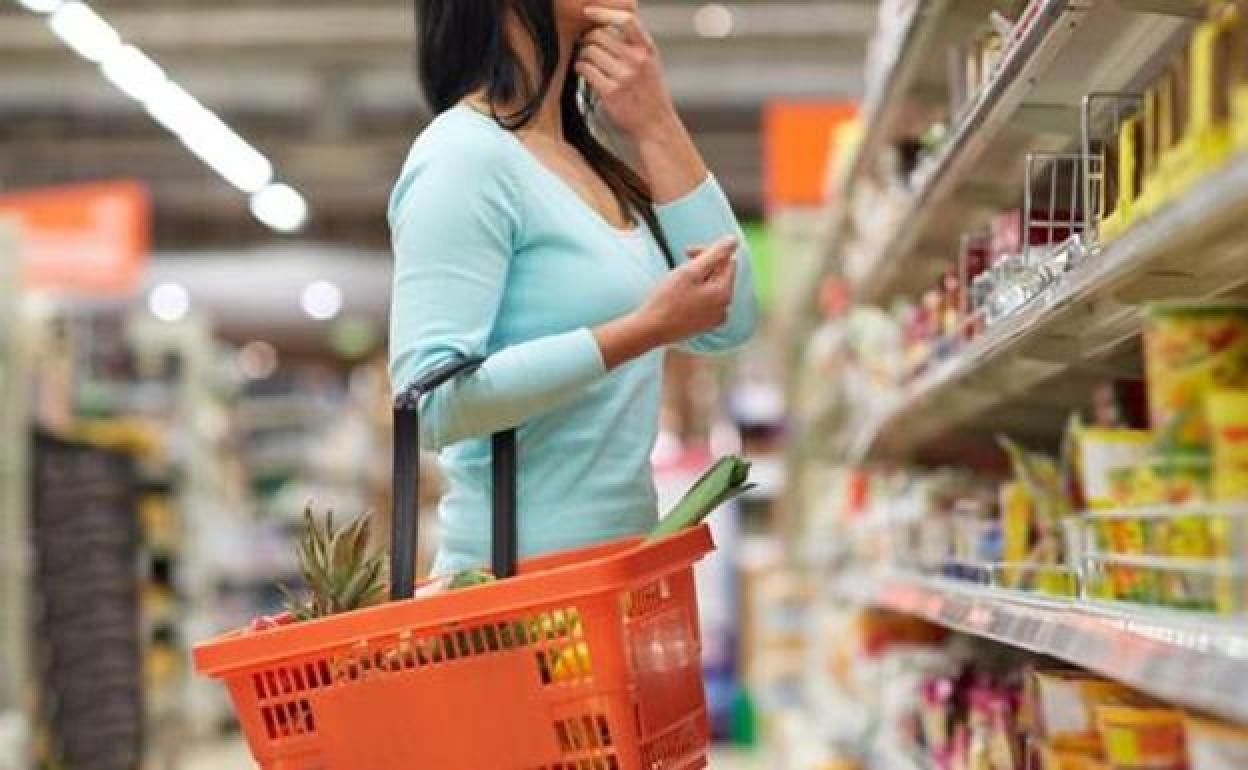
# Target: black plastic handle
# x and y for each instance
(406, 505)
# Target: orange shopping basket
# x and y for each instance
(582, 660)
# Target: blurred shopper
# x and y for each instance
(519, 236)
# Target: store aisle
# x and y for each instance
(232, 755)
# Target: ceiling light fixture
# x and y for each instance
(40, 6)
(169, 302)
(207, 136)
(714, 20)
(321, 300)
(281, 207)
(83, 30)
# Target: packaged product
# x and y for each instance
(936, 715)
(1101, 451)
(1065, 707)
(1139, 735)
(1213, 745)
(1228, 422)
(1062, 759)
(1004, 746)
(1190, 349)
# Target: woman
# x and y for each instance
(519, 236)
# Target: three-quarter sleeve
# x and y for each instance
(698, 219)
(455, 221)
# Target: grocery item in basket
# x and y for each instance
(723, 481)
(1102, 451)
(1190, 349)
(1228, 421)
(1139, 735)
(1065, 705)
(341, 569)
(1213, 745)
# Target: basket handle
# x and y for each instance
(406, 490)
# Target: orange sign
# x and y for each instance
(89, 239)
(798, 146)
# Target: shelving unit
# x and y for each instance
(1180, 657)
(882, 109)
(882, 106)
(1062, 51)
(1079, 322)
(926, 449)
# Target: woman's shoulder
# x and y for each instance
(462, 137)
(462, 149)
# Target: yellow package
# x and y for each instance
(1016, 522)
(1065, 707)
(1228, 422)
(1190, 349)
(1102, 451)
(1137, 735)
(1059, 759)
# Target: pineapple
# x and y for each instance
(340, 569)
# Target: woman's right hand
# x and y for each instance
(692, 299)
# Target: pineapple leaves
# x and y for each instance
(340, 569)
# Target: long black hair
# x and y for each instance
(463, 48)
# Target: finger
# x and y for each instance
(609, 17)
(693, 252)
(603, 36)
(712, 260)
(726, 279)
(635, 32)
(597, 79)
(612, 66)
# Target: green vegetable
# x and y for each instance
(725, 480)
(471, 577)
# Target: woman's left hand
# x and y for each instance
(621, 62)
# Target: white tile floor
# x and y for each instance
(233, 756)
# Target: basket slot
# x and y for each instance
(648, 599)
(581, 735)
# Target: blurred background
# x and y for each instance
(194, 286)
(997, 409)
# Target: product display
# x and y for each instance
(1053, 459)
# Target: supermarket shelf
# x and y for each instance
(1081, 319)
(882, 110)
(1186, 658)
(882, 107)
(1066, 50)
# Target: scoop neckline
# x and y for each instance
(636, 231)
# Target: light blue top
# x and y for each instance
(496, 255)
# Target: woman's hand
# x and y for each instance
(692, 299)
(620, 60)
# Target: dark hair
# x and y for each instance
(463, 48)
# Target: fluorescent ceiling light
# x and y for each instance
(208, 137)
(84, 31)
(40, 6)
(282, 208)
(134, 74)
